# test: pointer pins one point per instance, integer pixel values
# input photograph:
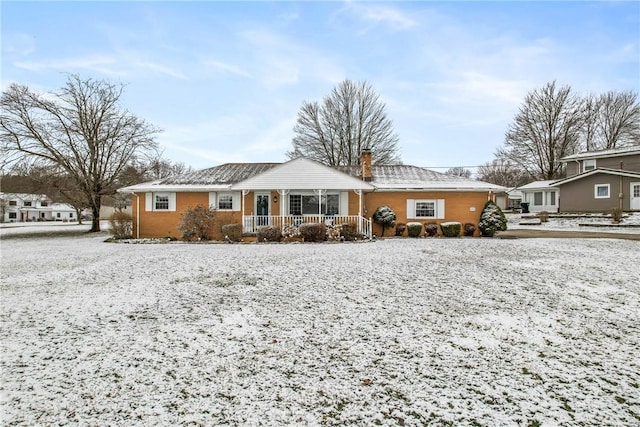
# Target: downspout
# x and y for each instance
(621, 193)
(137, 215)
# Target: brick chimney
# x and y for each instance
(365, 165)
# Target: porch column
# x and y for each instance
(283, 204)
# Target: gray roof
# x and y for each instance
(613, 152)
(415, 177)
(398, 177)
(228, 173)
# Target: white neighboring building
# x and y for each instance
(19, 207)
(541, 196)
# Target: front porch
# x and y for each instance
(251, 223)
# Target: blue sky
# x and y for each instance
(225, 80)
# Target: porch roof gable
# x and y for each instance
(301, 174)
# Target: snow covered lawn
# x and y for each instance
(395, 332)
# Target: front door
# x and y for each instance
(262, 209)
(634, 201)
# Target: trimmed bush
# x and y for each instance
(120, 225)
(450, 229)
(232, 232)
(400, 228)
(414, 229)
(196, 222)
(616, 215)
(269, 233)
(544, 216)
(385, 216)
(349, 231)
(491, 220)
(469, 229)
(313, 232)
(431, 229)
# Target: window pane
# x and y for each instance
(425, 209)
(589, 165)
(537, 198)
(225, 201)
(310, 205)
(162, 202)
(332, 204)
(602, 191)
(552, 198)
(295, 204)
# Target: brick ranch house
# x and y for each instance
(302, 190)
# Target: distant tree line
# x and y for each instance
(554, 122)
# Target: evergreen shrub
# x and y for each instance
(492, 220)
(400, 228)
(414, 229)
(385, 216)
(450, 229)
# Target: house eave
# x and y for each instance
(150, 188)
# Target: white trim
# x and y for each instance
(592, 165)
(634, 202)
(595, 191)
(343, 205)
(438, 208)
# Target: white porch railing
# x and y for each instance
(251, 223)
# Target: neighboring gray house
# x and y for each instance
(598, 181)
(540, 196)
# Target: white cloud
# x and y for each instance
(160, 69)
(227, 68)
(375, 15)
(103, 64)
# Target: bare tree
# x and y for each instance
(502, 172)
(591, 113)
(350, 118)
(618, 119)
(160, 168)
(458, 171)
(546, 129)
(81, 129)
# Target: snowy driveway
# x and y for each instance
(396, 332)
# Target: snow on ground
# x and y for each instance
(394, 332)
(630, 223)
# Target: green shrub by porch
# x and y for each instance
(414, 229)
(450, 229)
